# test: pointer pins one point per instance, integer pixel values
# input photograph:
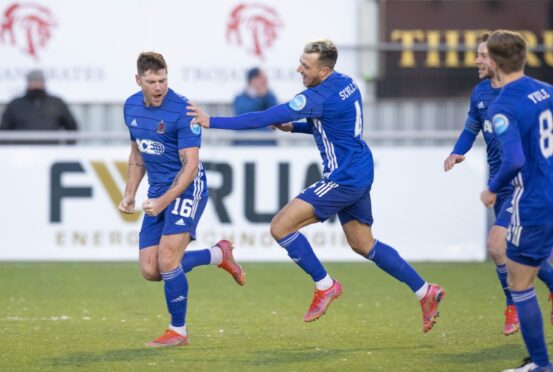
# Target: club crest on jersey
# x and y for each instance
(500, 124)
(298, 102)
(195, 128)
(160, 127)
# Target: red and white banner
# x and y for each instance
(88, 49)
(61, 203)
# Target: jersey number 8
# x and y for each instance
(546, 133)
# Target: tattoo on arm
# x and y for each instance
(183, 161)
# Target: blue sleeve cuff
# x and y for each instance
(464, 143)
(301, 127)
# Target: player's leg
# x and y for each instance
(356, 222)
(148, 263)
(176, 227)
(170, 251)
(148, 243)
(521, 282)
(221, 254)
(546, 275)
(284, 229)
(496, 244)
(527, 247)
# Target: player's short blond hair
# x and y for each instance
(328, 54)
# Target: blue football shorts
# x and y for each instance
(503, 209)
(529, 245)
(329, 198)
(181, 216)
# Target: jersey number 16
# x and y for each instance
(183, 209)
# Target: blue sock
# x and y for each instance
(546, 274)
(191, 259)
(300, 251)
(501, 271)
(531, 325)
(176, 293)
(391, 262)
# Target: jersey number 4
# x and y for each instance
(358, 120)
(183, 209)
(546, 133)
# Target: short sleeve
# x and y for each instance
(189, 135)
(307, 104)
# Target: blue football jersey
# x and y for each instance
(160, 132)
(522, 117)
(482, 96)
(334, 110)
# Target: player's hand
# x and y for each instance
(452, 160)
(200, 117)
(286, 127)
(488, 198)
(126, 205)
(152, 207)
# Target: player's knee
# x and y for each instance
(277, 230)
(361, 247)
(519, 284)
(150, 273)
(496, 249)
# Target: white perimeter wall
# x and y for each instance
(423, 212)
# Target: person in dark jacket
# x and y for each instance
(255, 97)
(37, 110)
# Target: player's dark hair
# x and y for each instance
(508, 50)
(150, 61)
(484, 37)
(328, 54)
(253, 73)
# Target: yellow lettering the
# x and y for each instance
(407, 39)
(532, 41)
(452, 42)
(433, 54)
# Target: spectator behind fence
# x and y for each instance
(37, 110)
(256, 97)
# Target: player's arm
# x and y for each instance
(512, 160)
(294, 127)
(135, 174)
(464, 143)
(275, 115)
(190, 160)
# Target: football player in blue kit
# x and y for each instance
(522, 119)
(333, 108)
(478, 120)
(166, 146)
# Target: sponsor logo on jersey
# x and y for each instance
(481, 105)
(298, 102)
(160, 127)
(134, 123)
(180, 222)
(195, 128)
(150, 147)
(500, 124)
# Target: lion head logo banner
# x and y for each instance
(253, 26)
(27, 26)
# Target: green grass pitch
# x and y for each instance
(97, 316)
